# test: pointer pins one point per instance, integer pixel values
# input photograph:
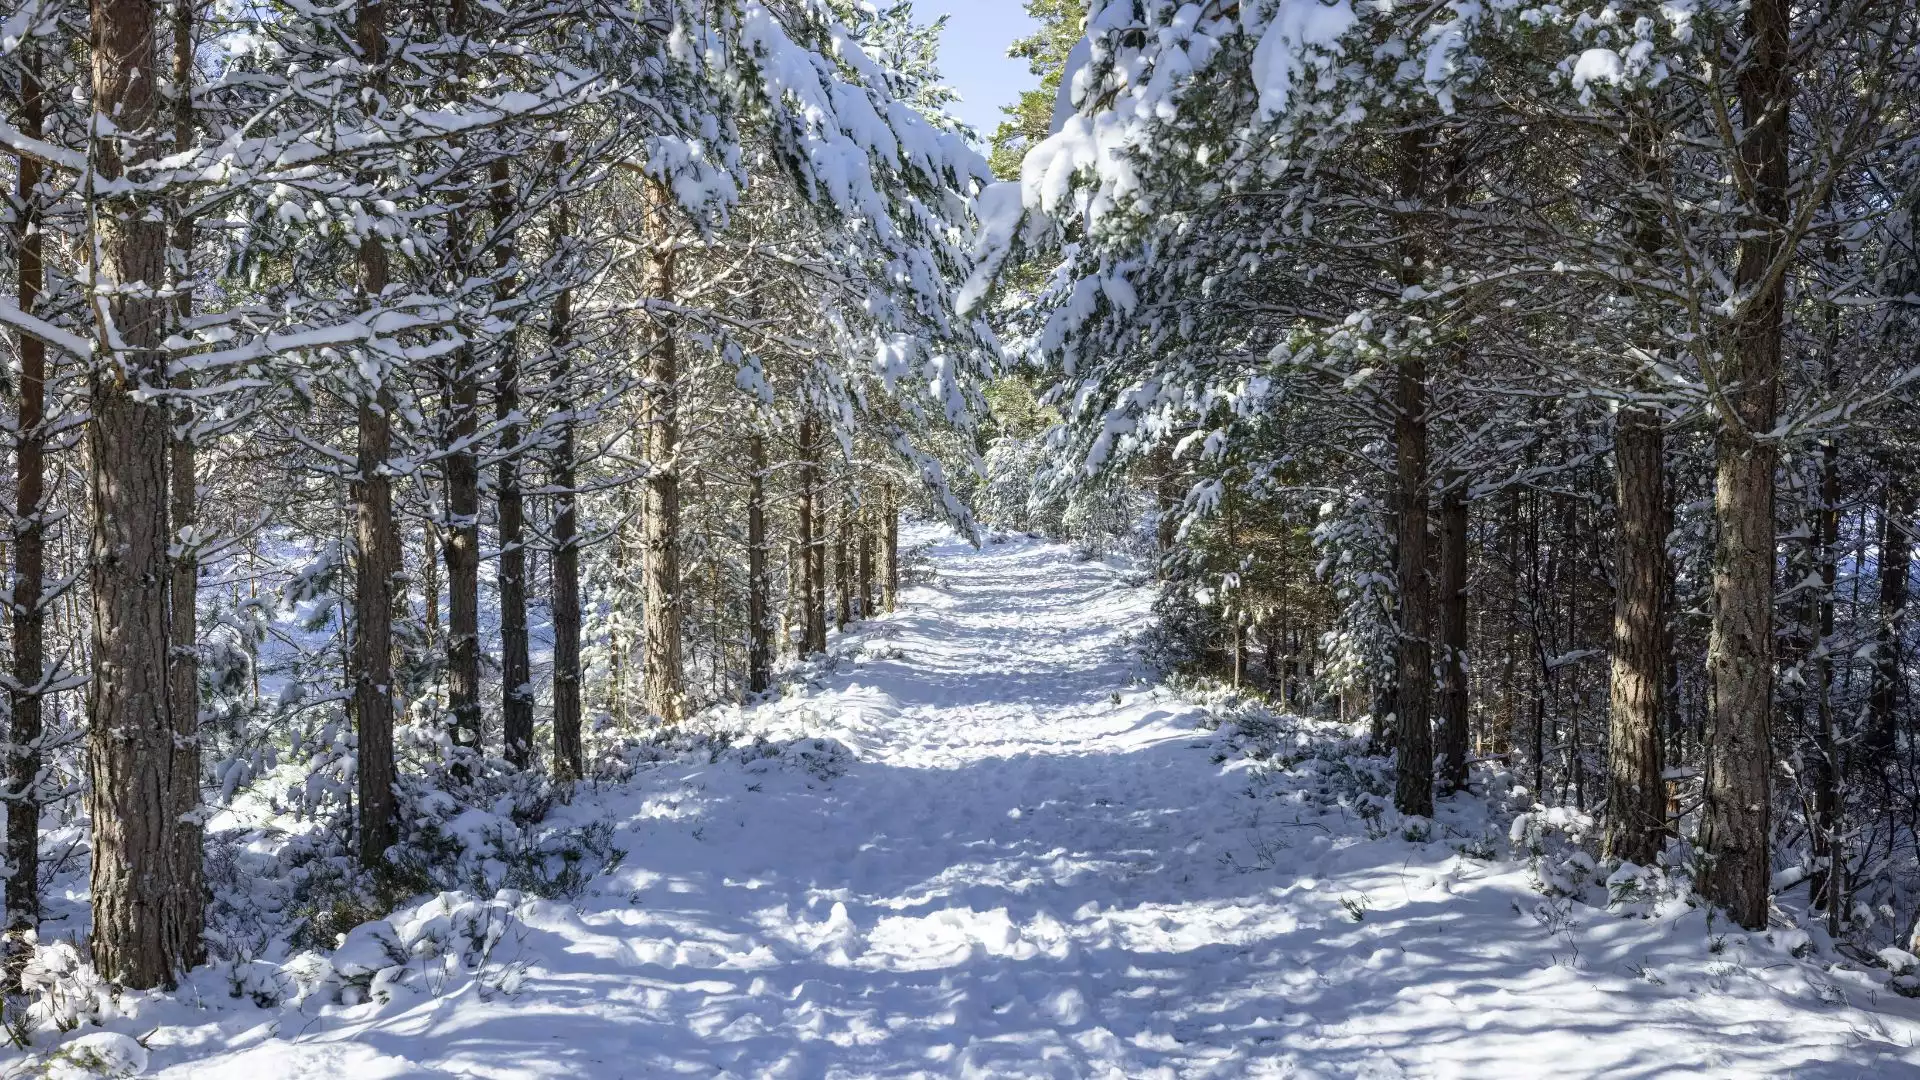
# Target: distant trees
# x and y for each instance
(1572, 335)
(420, 354)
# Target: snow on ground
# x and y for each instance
(1006, 857)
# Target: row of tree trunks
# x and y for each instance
(1452, 611)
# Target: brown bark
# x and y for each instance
(1736, 817)
(813, 551)
(568, 759)
(1896, 560)
(516, 668)
(147, 907)
(759, 627)
(378, 544)
(183, 660)
(1636, 793)
(1413, 699)
(461, 472)
(889, 549)
(662, 677)
(842, 564)
(865, 592)
(1452, 600)
(27, 724)
(1824, 886)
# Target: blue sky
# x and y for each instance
(973, 55)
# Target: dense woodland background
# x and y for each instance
(415, 410)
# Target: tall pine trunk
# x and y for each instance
(147, 908)
(889, 549)
(1413, 699)
(865, 529)
(1825, 884)
(813, 545)
(1453, 636)
(759, 613)
(1636, 793)
(183, 660)
(27, 723)
(378, 546)
(842, 564)
(516, 668)
(568, 759)
(1736, 817)
(662, 677)
(1896, 560)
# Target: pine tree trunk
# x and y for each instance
(662, 686)
(462, 553)
(568, 758)
(866, 566)
(146, 906)
(27, 725)
(378, 543)
(1413, 700)
(1735, 820)
(813, 550)
(1636, 792)
(759, 628)
(1453, 637)
(1896, 560)
(842, 565)
(890, 549)
(183, 661)
(1823, 885)
(516, 668)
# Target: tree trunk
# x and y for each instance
(1896, 560)
(759, 629)
(1735, 820)
(842, 564)
(813, 551)
(183, 660)
(1824, 886)
(29, 562)
(1413, 701)
(1636, 792)
(516, 668)
(147, 907)
(662, 686)
(378, 544)
(462, 553)
(1453, 637)
(568, 759)
(890, 549)
(866, 565)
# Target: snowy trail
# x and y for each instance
(1032, 866)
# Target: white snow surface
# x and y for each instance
(1021, 861)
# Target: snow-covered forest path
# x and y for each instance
(1004, 857)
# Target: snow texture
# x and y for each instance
(980, 846)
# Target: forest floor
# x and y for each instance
(980, 845)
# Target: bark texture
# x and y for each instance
(759, 614)
(1413, 697)
(661, 678)
(147, 907)
(1735, 820)
(377, 545)
(1636, 794)
(1452, 599)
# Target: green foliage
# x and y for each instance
(1045, 52)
